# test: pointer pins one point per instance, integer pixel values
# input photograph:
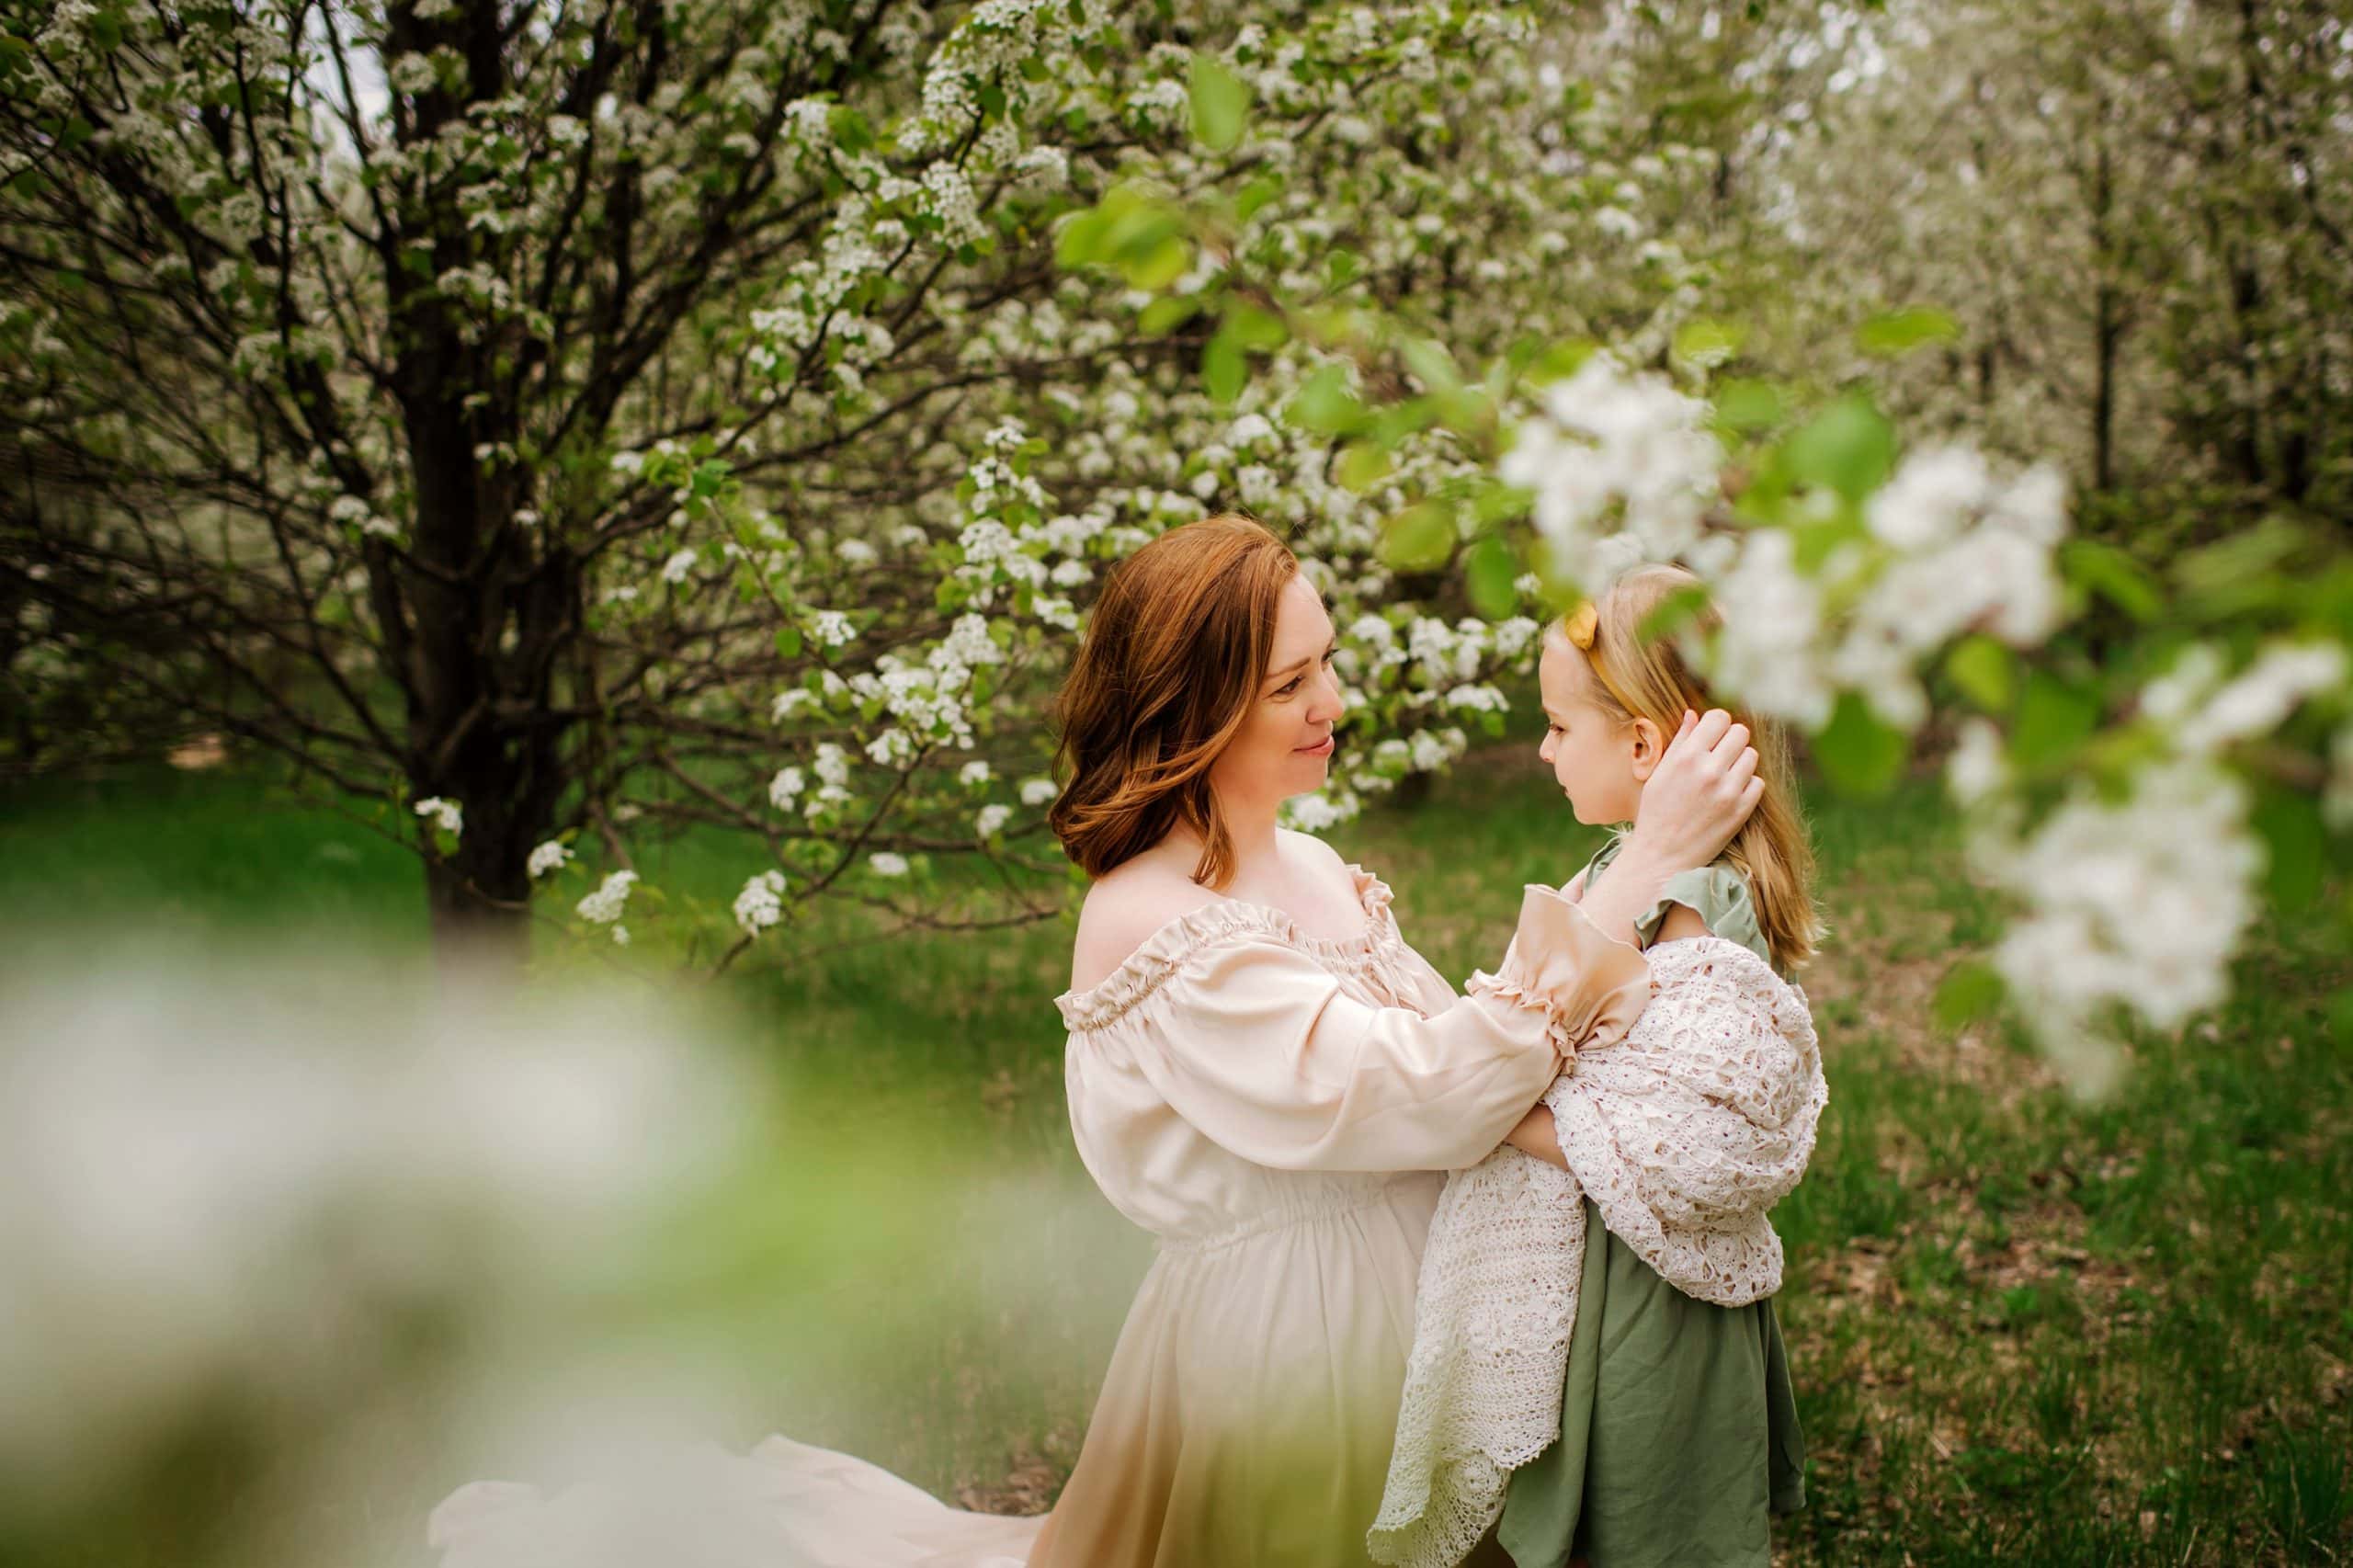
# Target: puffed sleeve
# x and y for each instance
(1591, 988)
(1261, 1050)
(1720, 896)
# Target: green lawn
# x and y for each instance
(2024, 1328)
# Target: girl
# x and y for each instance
(1596, 1371)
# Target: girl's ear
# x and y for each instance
(1650, 746)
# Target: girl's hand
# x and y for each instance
(1698, 796)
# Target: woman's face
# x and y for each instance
(1599, 757)
(1284, 746)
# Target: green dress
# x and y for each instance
(1678, 1432)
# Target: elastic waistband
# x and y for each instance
(1284, 1218)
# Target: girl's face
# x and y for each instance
(1602, 761)
(1284, 746)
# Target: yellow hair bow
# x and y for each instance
(1582, 627)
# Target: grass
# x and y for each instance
(2024, 1328)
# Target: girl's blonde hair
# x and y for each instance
(1639, 671)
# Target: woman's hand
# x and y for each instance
(1702, 790)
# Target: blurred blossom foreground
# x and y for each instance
(273, 1226)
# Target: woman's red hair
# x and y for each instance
(1165, 674)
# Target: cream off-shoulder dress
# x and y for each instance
(1278, 1110)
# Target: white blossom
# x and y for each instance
(886, 864)
(1931, 499)
(2140, 903)
(1037, 791)
(446, 815)
(1771, 611)
(2206, 713)
(603, 906)
(1313, 814)
(967, 643)
(1623, 467)
(972, 775)
(761, 903)
(547, 857)
(991, 819)
(2337, 801)
(674, 570)
(785, 787)
(1978, 767)
(831, 628)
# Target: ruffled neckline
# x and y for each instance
(1158, 956)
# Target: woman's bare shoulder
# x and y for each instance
(1313, 851)
(1124, 909)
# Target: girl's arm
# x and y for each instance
(1536, 1135)
(1681, 921)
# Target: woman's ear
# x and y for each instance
(1649, 746)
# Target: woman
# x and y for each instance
(1261, 1072)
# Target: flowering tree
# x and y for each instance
(563, 424)
(608, 421)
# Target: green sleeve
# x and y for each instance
(1720, 895)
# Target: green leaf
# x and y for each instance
(2114, 575)
(788, 642)
(1431, 364)
(1859, 753)
(1160, 264)
(2298, 841)
(1323, 405)
(1899, 332)
(1749, 405)
(1559, 361)
(1226, 370)
(2054, 720)
(1985, 671)
(1419, 538)
(1255, 328)
(1164, 316)
(1972, 993)
(1221, 106)
(1489, 573)
(1704, 342)
(1362, 465)
(1672, 614)
(1848, 446)
(1255, 195)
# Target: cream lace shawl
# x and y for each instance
(1684, 1133)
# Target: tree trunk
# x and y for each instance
(2107, 327)
(478, 900)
